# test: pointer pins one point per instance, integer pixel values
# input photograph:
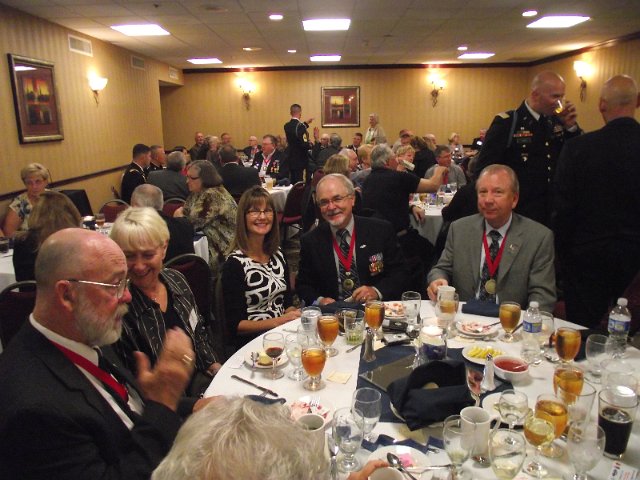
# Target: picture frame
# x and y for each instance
(35, 99)
(340, 106)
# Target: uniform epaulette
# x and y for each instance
(504, 115)
(134, 170)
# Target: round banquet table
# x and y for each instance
(7, 273)
(339, 395)
(279, 196)
(430, 227)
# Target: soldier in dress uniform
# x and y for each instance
(135, 175)
(529, 140)
(158, 159)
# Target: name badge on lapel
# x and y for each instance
(376, 264)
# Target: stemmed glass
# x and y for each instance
(273, 344)
(538, 432)
(294, 352)
(328, 328)
(367, 403)
(547, 333)
(457, 444)
(554, 410)
(474, 383)
(596, 352)
(567, 343)
(585, 444)
(347, 433)
(413, 332)
(314, 357)
(509, 319)
(513, 406)
(411, 303)
(374, 315)
(507, 451)
(446, 308)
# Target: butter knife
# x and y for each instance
(262, 389)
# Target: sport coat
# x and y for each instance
(181, 234)
(55, 424)
(375, 241)
(237, 178)
(173, 184)
(278, 167)
(298, 143)
(526, 271)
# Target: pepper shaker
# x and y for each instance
(369, 354)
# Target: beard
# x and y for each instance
(98, 332)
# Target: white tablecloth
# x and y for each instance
(279, 196)
(430, 227)
(7, 274)
(339, 395)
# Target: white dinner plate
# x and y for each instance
(410, 457)
(301, 407)
(479, 361)
(393, 310)
(281, 361)
(468, 329)
(490, 404)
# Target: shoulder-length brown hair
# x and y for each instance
(255, 197)
(53, 211)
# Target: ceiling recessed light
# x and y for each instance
(476, 56)
(291, 51)
(148, 30)
(463, 48)
(276, 16)
(252, 49)
(204, 61)
(326, 24)
(558, 21)
(325, 58)
(529, 13)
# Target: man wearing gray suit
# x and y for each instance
(519, 251)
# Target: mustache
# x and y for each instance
(121, 311)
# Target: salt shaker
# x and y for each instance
(369, 354)
(488, 383)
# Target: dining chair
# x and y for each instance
(171, 205)
(292, 214)
(199, 277)
(112, 209)
(16, 304)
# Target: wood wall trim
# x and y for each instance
(66, 181)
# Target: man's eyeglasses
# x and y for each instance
(324, 203)
(120, 287)
(256, 213)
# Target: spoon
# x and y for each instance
(395, 462)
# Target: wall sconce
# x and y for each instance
(97, 84)
(583, 69)
(437, 85)
(247, 89)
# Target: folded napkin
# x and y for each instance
(339, 305)
(386, 440)
(420, 407)
(478, 307)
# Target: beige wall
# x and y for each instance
(212, 102)
(96, 137)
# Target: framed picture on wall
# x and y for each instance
(35, 99)
(340, 106)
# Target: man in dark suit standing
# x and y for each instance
(298, 144)
(66, 410)
(348, 256)
(597, 205)
(236, 178)
(135, 173)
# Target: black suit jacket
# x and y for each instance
(55, 424)
(247, 151)
(173, 184)
(318, 275)
(237, 179)
(181, 234)
(298, 143)
(278, 168)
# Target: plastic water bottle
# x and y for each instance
(531, 328)
(619, 323)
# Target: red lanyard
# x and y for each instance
(346, 262)
(492, 265)
(97, 372)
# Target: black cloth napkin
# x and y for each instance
(478, 307)
(386, 440)
(421, 407)
(339, 305)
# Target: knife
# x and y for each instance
(262, 389)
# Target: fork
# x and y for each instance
(315, 401)
(333, 451)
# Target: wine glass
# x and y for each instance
(347, 433)
(442, 189)
(446, 308)
(554, 410)
(547, 337)
(567, 343)
(273, 344)
(457, 444)
(314, 357)
(513, 406)
(411, 303)
(367, 402)
(538, 432)
(596, 352)
(585, 445)
(507, 451)
(509, 319)
(328, 328)
(474, 383)
(413, 332)
(294, 352)
(374, 315)
(569, 377)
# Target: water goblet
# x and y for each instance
(555, 411)
(585, 445)
(596, 352)
(457, 443)
(347, 433)
(273, 344)
(314, 357)
(413, 332)
(539, 433)
(328, 328)
(294, 352)
(567, 343)
(367, 402)
(374, 315)
(507, 451)
(513, 407)
(411, 303)
(509, 319)
(568, 376)
(474, 383)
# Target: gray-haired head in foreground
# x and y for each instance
(175, 161)
(242, 439)
(348, 184)
(147, 195)
(380, 156)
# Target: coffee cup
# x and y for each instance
(314, 425)
(476, 426)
